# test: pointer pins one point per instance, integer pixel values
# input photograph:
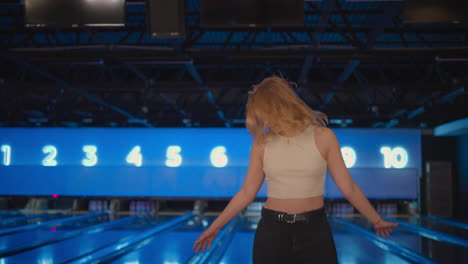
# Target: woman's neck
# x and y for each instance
(295, 133)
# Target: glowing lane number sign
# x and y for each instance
(135, 157)
(173, 157)
(393, 157)
(6, 149)
(218, 157)
(91, 157)
(396, 157)
(49, 160)
(349, 156)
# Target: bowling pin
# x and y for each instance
(139, 207)
(99, 205)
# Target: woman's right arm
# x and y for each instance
(252, 183)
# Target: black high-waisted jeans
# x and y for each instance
(299, 242)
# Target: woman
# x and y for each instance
(292, 149)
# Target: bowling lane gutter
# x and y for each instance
(134, 242)
(22, 218)
(84, 231)
(218, 246)
(446, 222)
(431, 234)
(9, 231)
(383, 243)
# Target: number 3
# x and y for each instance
(91, 158)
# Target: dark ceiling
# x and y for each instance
(355, 61)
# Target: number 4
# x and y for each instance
(135, 157)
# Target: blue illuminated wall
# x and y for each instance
(176, 162)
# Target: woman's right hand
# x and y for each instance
(384, 228)
(205, 239)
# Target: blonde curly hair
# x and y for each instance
(274, 102)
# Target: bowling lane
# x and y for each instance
(240, 248)
(46, 233)
(72, 248)
(438, 251)
(351, 248)
(171, 246)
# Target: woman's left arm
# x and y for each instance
(340, 174)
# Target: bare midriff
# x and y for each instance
(294, 206)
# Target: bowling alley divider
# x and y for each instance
(185, 162)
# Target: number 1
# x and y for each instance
(6, 149)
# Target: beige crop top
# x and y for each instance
(293, 166)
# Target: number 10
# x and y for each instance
(397, 157)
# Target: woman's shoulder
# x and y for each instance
(324, 132)
(325, 137)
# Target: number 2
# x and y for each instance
(51, 152)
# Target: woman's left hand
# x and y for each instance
(384, 228)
